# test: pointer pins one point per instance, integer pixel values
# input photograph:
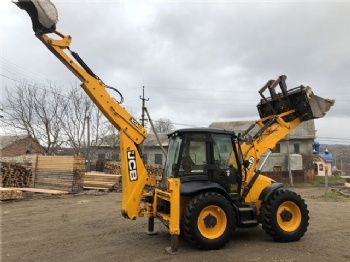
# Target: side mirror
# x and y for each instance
(246, 163)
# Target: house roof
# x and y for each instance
(151, 140)
(6, 141)
(306, 130)
(327, 156)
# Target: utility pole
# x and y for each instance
(88, 144)
(289, 163)
(143, 106)
(143, 118)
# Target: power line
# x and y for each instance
(334, 138)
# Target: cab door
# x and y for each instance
(224, 165)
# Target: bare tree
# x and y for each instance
(75, 120)
(163, 126)
(81, 115)
(37, 112)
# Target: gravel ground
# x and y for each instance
(89, 227)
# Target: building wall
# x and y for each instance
(322, 168)
(22, 147)
(107, 153)
(151, 153)
(281, 159)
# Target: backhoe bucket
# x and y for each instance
(43, 14)
(302, 99)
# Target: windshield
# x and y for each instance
(172, 157)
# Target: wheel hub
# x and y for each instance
(210, 221)
(286, 215)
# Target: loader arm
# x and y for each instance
(280, 114)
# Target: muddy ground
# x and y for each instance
(91, 228)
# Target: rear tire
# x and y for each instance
(208, 221)
(284, 216)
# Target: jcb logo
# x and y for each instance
(251, 161)
(134, 121)
(132, 165)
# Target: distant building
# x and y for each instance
(322, 161)
(19, 145)
(300, 145)
(152, 152)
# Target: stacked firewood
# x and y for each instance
(16, 175)
(113, 167)
(155, 170)
(10, 193)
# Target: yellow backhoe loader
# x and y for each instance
(211, 182)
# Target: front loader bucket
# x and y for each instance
(301, 99)
(319, 106)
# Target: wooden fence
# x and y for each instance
(299, 176)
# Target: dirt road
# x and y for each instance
(91, 228)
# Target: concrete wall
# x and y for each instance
(281, 159)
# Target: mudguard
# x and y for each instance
(267, 191)
(192, 187)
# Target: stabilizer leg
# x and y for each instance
(151, 231)
(174, 248)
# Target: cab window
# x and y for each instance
(194, 157)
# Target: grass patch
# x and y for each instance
(320, 181)
(331, 195)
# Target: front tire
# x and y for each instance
(208, 221)
(284, 216)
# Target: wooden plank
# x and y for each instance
(40, 190)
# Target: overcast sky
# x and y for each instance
(199, 61)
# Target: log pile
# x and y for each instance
(16, 175)
(10, 194)
(60, 172)
(95, 180)
(112, 176)
(112, 167)
(155, 170)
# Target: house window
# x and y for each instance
(296, 149)
(158, 159)
(321, 167)
(101, 156)
(277, 168)
(277, 149)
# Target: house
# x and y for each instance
(151, 148)
(299, 142)
(322, 161)
(19, 145)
